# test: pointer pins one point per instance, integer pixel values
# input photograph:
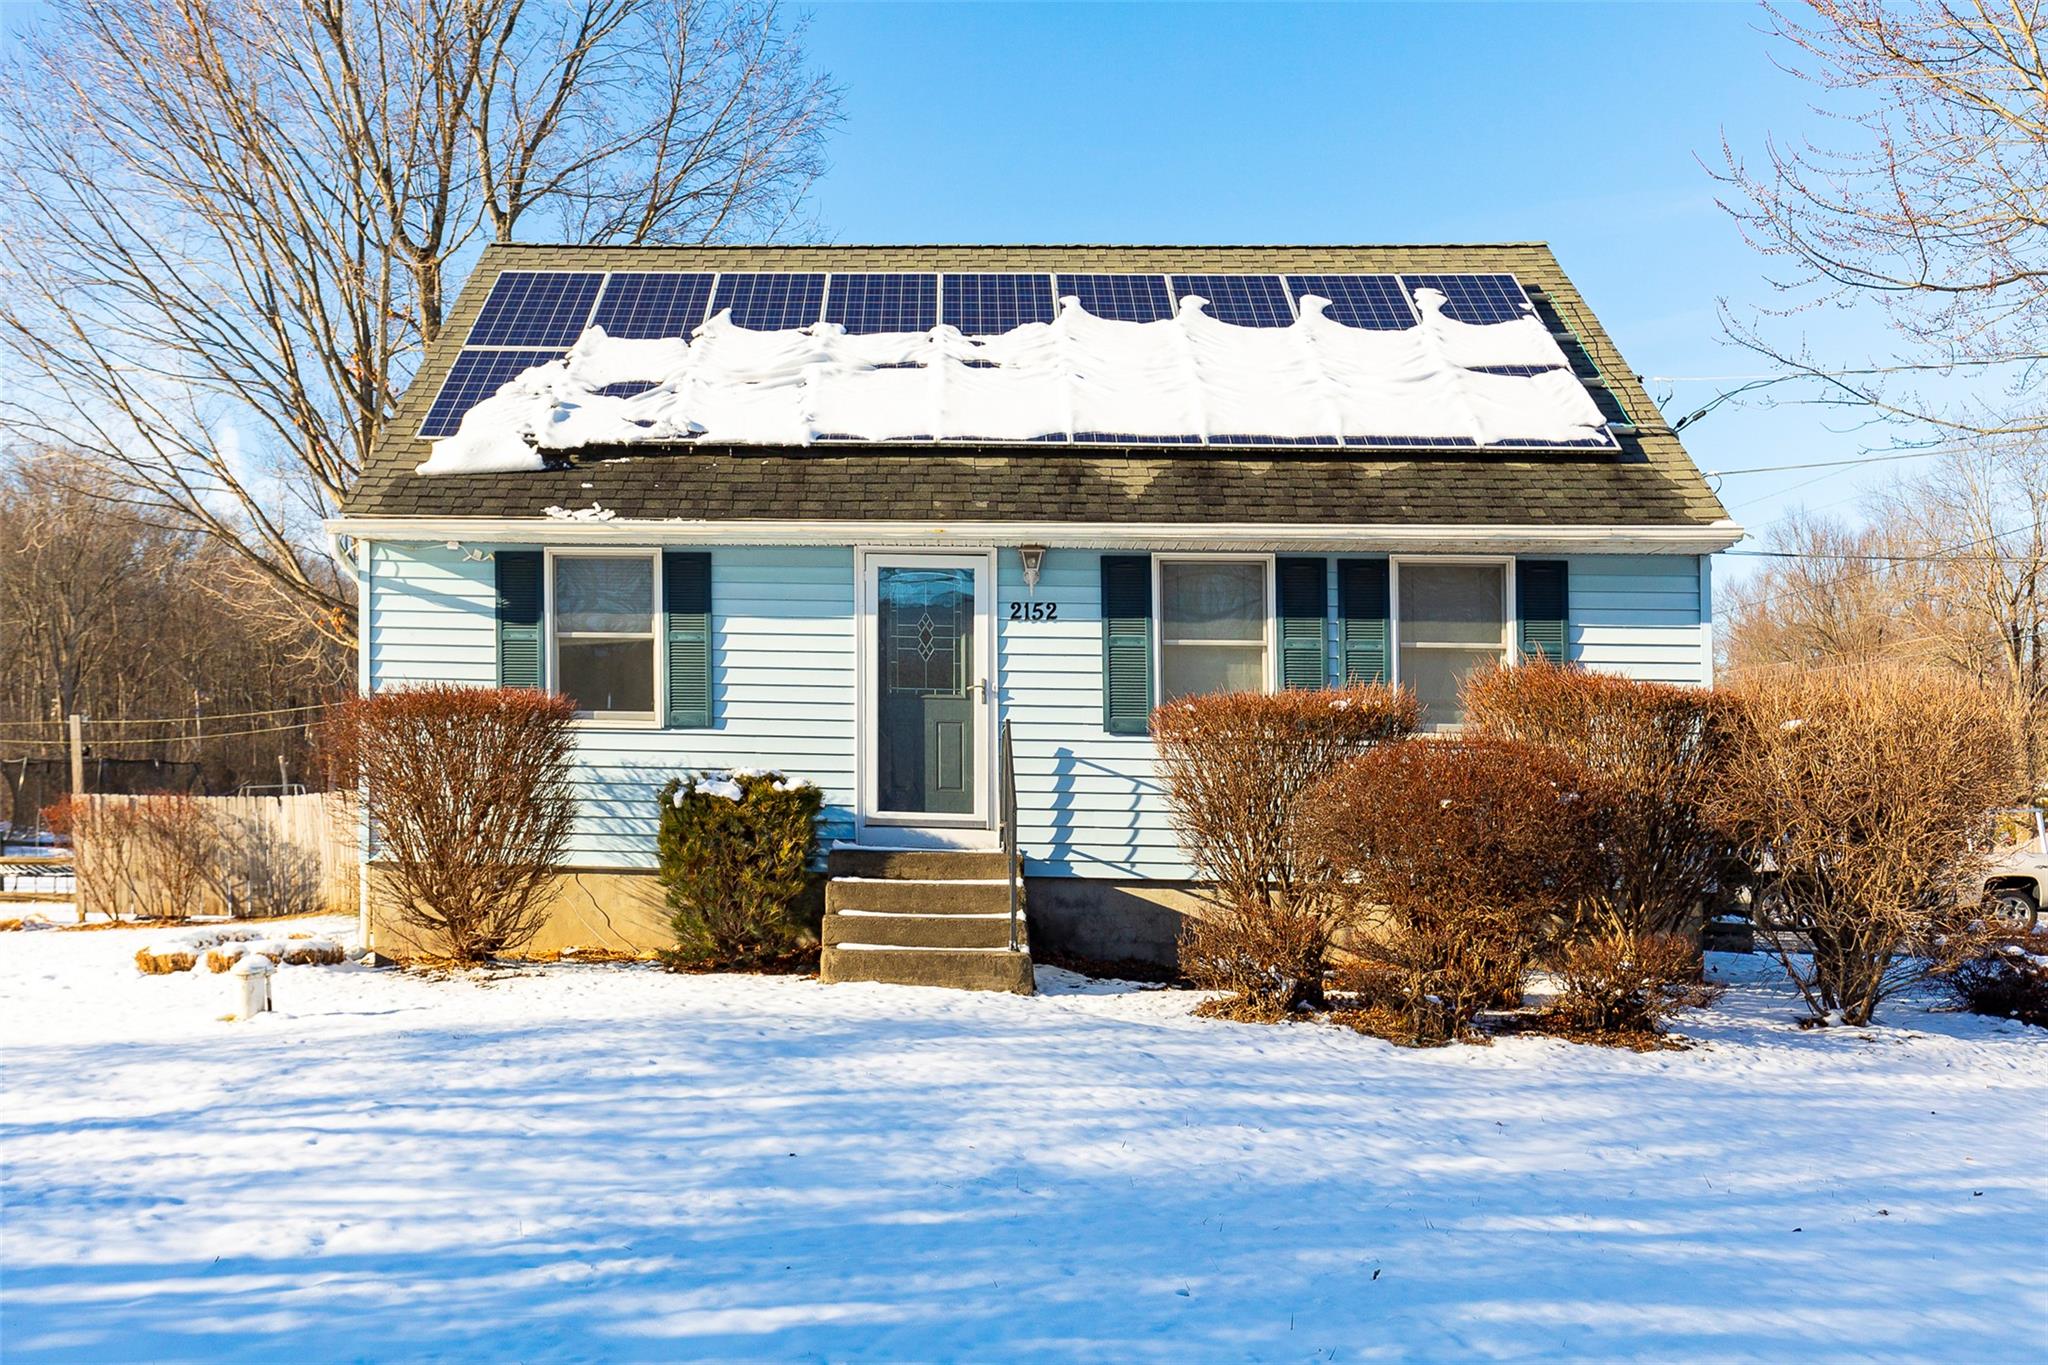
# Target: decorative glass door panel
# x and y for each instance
(926, 685)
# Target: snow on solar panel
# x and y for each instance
(475, 376)
(865, 304)
(1373, 302)
(770, 302)
(535, 308)
(1247, 390)
(1126, 298)
(648, 304)
(984, 305)
(1477, 298)
(1241, 300)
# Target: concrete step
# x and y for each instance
(906, 897)
(921, 931)
(916, 864)
(971, 969)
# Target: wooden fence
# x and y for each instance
(177, 856)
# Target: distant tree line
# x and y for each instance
(187, 663)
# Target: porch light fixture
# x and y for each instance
(1033, 559)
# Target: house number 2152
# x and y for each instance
(1034, 611)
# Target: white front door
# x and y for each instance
(927, 661)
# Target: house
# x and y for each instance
(861, 513)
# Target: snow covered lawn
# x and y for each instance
(611, 1162)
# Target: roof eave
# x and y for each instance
(1424, 538)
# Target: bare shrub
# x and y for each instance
(1868, 793)
(469, 802)
(1624, 982)
(153, 963)
(150, 857)
(736, 849)
(1450, 856)
(1659, 751)
(1235, 766)
(2002, 974)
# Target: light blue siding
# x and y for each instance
(1641, 615)
(782, 680)
(1088, 804)
(783, 676)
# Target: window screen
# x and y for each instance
(604, 634)
(1212, 627)
(1453, 618)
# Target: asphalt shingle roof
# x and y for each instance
(1649, 481)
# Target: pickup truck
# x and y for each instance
(2016, 882)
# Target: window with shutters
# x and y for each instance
(1215, 624)
(603, 626)
(1450, 617)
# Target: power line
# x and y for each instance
(58, 748)
(1960, 545)
(1881, 558)
(200, 718)
(1819, 464)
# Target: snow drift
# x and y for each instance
(1189, 377)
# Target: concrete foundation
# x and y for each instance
(608, 909)
(1084, 917)
(1110, 921)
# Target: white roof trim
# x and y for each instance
(589, 528)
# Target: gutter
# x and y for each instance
(1388, 537)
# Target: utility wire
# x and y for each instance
(1880, 558)
(1960, 545)
(202, 718)
(58, 746)
(1819, 464)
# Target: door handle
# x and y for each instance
(980, 685)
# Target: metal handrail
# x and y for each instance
(1006, 781)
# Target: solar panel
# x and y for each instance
(982, 305)
(883, 303)
(1372, 302)
(1241, 300)
(650, 304)
(535, 308)
(770, 302)
(1121, 438)
(1127, 298)
(475, 376)
(1477, 298)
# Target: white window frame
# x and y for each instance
(1510, 613)
(1271, 680)
(612, 720)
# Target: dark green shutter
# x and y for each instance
(1362, 613)
(686, 615)
(1304, 599)
(1126, 644)
(1543, 600)
(519, 609)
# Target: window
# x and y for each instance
(604, 634)
(1213, 617)
(1452, 617)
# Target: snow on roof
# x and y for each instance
(1189, 377)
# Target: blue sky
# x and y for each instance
(1591, 127)
(1585, 126)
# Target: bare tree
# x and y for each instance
(1929, 200)
(1950, 571)
(227, 227)
(106, 614)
